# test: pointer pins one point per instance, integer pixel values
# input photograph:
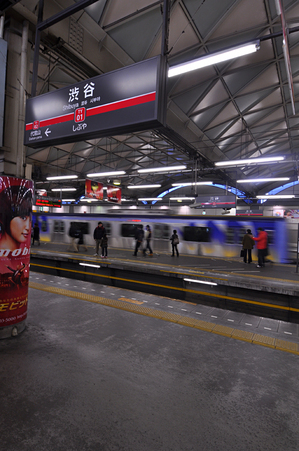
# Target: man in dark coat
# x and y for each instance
(98, 233)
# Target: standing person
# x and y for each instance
(104, 245)
(98, 235)
(72, 235)
(81, 239)
(148, 237)
(139, 235)
(247, 244)
(174, 242)
(261, 244)
(35, 234)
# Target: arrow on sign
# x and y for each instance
(47, 132)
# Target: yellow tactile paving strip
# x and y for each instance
(226, 331)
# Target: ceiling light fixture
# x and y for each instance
(214, 58)
(245, 161)
(192, 184)
(182, 198)
(276, 196)
(106, 174)
(274, 179)
(63, 177)
(63, 189)
(149, 198)
(143, 186)
(162, 169)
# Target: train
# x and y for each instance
(212, 236)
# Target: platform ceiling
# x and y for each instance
(238, 109)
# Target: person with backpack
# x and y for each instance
(174, 242)
(98, 234)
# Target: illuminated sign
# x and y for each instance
(126, 100)
(43, 201)
(228, 201)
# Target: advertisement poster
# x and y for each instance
(93, 189)
(15, 238)
(114, 194)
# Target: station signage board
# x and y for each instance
(44, 201)
(228, 201)
(126, 100)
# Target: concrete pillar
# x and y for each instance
(12, 154)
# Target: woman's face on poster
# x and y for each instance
(20, 228)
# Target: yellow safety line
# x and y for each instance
(186, 290)
(225, 331)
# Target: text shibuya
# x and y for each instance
(15, 253)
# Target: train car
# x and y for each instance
(203, 235)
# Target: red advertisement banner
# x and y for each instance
(15, 239)
(93, 189)
(114, 194)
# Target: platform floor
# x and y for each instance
(94, 376)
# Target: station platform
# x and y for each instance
(101, 368)
(272, 291)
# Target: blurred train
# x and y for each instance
(212, 236)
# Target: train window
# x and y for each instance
(82, 225)
(270, 236)
(241, 232)
(107, 226)
(200, 234)
(230, 235)
(44, 225)
(161, 231)
(128, 230)
(59, 227)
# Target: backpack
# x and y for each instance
(176, 239)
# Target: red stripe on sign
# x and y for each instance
(138, 100)
(121, 104)
(57, 120)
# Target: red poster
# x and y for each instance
(114, 194)
(15, 238)
(93, 189)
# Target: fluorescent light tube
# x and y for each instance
(200, 281)
(150, 198)
(182, 198)
(276, 196)
(143, 186)
(63, 189)
(106, 174)
(274, 179)
(214, 58)
(63, 177)
(88, 264)
(162, 169)
(192, 184)
(248, 161)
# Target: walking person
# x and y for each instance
(247, 245)
(81, 239)
(139, 235)
(148, 237)
(174, 242)
(261, 244)
(35, 234)
(104, 245)
(98, 235)
(73, 234)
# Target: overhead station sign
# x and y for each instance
(228, 201)
(126, 100)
